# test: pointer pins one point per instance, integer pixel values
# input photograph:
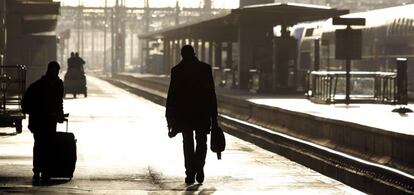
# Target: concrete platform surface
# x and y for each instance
(123, 148)
(371, 115)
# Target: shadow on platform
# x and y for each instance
(51, 182)
(195, 189)
(2, 134)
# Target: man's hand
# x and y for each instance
(61, 118)
(171, 133)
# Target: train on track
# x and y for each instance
(387, 35)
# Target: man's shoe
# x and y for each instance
(200, 177)
(36, 177)
(189, 180)
(45, 178)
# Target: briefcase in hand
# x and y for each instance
(217, 141)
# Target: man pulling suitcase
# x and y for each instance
(43, 101)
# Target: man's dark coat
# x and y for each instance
(191, 103)
(43, 101)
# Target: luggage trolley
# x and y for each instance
(75, 83)
(12, 88)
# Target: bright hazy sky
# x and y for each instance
(153, 3)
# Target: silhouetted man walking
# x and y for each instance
(192, 107)
(43, 101)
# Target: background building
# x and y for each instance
(353, 5)
(27, 34)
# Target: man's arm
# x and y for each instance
(27, 100)
(171, 100)
(213, 108)
(60, 93)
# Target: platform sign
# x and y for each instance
(402, 96)
(348, 44)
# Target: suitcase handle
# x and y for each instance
(67, 121)
(67, 124)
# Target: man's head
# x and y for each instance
(72, 54)
(187, 52)
(53, 68)
(77, 54)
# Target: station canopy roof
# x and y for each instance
(225, 27)
(38, 16)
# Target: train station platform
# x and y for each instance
(377, 116)
(123, 148)
(369, 132)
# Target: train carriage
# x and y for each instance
(387, 35)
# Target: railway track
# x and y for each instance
(363, 175)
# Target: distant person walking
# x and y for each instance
(192, 107)
(71, 61)
(79, 63)
(43, 101)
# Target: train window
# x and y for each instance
(309, 32)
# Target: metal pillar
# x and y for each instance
(217, 54)
(78, 43)
(2, 30)
(203, 50)
(401, 95)
(229, 62)
(93, 61)
(121, 38)
(177, 13)
(229, 50)
(245, 55)
(145, 44)
(132, 44)
(166, 62)
(113, 47)
(105, 26)
(348, 75)
(210, 53)
(177, 51)
(196, 47)
(82, 36)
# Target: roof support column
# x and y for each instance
(245, 54)
(217, 54)
(197, 47)
(177, 51)
(166, 59)
(172, 53)
(229, 63)
(203, 50)
(2, 31)
(229, 60)
(210, 52)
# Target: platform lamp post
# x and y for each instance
(348, 44)
(401, 95)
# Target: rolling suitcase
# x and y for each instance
(63, 158)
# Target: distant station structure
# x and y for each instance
(250, 47)
(27, 34)
(108, 35)
(352, 5)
